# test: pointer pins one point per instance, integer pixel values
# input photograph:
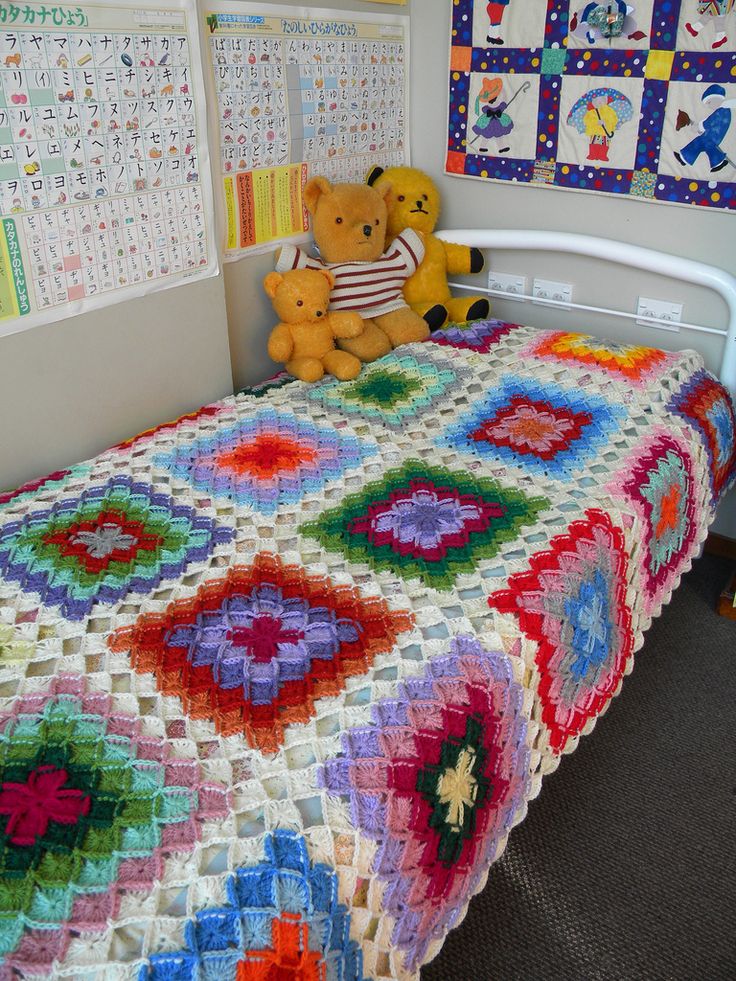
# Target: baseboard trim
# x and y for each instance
(720, 545)
(726, 600)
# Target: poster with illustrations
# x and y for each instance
(606, 96)
(301, 92)
(104, 184)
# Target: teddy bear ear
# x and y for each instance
(272, 282)
(386, 190)
(313, 191)
(329, 276)
(373, 174)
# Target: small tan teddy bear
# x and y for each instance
(305, 338)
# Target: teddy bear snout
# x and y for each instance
(367, 230)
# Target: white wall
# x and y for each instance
(70, 389)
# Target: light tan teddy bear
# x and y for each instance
(305, 338)
(349, 223)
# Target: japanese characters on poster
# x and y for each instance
(301, 92)
(631, 98)
(104, 181)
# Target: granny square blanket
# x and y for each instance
(278, 679)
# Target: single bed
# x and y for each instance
(279, 678)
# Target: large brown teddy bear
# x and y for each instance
(305, 338)
(349, 223)
(414, 202)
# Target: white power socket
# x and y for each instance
(513, 287)
(669, 314)
(544, 290)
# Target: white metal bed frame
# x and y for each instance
(649, 260)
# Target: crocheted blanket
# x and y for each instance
(277, 679)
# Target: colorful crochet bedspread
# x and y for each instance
(278, 679)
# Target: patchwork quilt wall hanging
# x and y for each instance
(610, 97)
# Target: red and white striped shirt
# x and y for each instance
(368, 288)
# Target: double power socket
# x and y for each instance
(543, 290)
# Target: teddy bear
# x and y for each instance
(305, 338)
(349, 223)
(414, 202)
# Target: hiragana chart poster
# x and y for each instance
(301, 92)
(605, 96)
(104, 183)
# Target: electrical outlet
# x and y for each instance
(547, 289)
(513, 287)
(669, 314)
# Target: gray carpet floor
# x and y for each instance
(625, 867)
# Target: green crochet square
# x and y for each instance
(426, 522)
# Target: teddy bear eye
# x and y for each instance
(300, 303)
(378, 221)
(402, 198)
(425, 197)
(338, 221)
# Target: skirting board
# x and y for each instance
(720, 545)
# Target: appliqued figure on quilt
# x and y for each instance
(711, 130)
(281, 921)
(605, 21)
(714, 18)
(496, 10)
(597, 115)
(252, 651)
(437, 779)
(493, 123)
(572, 602)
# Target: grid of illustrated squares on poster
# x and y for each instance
(631, 98)
(98, 156)
(106, 244)
(330, 102)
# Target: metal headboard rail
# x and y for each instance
(649, 260)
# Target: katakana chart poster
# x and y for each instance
(301, 92)
(104, 178)
(605, 96)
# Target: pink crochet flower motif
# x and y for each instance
(32, 805)
(530, 428)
